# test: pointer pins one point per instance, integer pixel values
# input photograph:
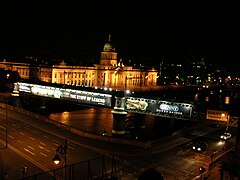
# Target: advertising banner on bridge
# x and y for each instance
(217, 115)
(157, 107)
(79, 96)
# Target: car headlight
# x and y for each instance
(199, 149)
(194, 147)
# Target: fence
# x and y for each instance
(92, 169)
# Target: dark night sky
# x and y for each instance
(139, 31)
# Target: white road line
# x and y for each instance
(55, 144)
(11, 136)
(2, 132)
(29, 151)
(28, 158)
(46, 136)
(31, 138)
(43, 143)
(43, 154)
(19, 141)
(31, 147)
(22, 133)
(43, 148)
(15, 125)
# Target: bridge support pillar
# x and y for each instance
(140, 121)
(16, 101)
(119, 117)
(42, 103)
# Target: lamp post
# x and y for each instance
(61, 152)
(228, 118)
(126, 83)
(63, 77)
(6, 118)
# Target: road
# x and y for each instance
(36, 143)
(174, 158)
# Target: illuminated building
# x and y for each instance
(110, 73)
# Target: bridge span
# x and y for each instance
(120, 101)
(107, 98)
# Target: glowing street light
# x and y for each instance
(228, 117)
(61, 152)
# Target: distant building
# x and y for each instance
(190, 72)
(110, 73)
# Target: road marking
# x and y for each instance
(28, 158)
(29, 151)
(46, 136)
(19, 141)
(15, 125)
(31, 147)
(31, 138)
(43, 143)
(2, 132)
(55, 144)
(11, 136)
(43, 154)
(43, 148)
(22, 133)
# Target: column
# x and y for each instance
(16, 101)
(42, 105)
(119, 116)
(140, 120)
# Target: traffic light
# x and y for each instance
(202, 170)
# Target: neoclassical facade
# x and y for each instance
(110, 73)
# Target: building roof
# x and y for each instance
(108, 47)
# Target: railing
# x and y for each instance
(94, 168)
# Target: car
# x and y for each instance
(225, 136)
(199, 146)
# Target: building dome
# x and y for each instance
(108, 47)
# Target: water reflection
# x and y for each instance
(92, 120)
(96, 120)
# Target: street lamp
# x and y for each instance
(61, 152)
(227, 117)
(6, 118)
